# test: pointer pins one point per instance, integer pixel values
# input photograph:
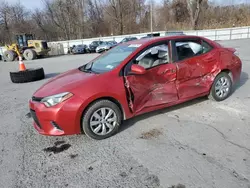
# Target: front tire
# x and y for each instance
(221, 88)
(9, 55)
(101, 120)
(29, 54)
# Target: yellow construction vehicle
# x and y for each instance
(26, 47)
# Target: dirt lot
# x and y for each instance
(198, 144)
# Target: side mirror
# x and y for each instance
(137, 69)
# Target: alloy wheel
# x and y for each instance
(103, 121)
(222, 87)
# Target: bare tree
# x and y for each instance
(194, 9)
(4, 21)
(72, 19)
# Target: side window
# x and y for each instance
(206, 47)
(187, 49)
(153, 56)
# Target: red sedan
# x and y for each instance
(131, 79)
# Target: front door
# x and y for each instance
(155, 87)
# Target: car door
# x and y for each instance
(157, 85)
(193, 62)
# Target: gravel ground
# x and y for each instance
(197, 144)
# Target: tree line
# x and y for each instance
(74, 19)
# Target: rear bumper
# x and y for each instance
(100, 50)
(236, 70)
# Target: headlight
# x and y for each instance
(56, 99)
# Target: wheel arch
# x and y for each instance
(229, 72)
(215, 74)
(112, 99)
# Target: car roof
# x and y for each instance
(158, 39)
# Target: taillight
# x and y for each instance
(236, 53)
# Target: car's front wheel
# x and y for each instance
(101, 120)
(221, 88)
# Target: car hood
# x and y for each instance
(102, 46)
(65, 82)
(79, 48)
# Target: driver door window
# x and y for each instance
(154, 56)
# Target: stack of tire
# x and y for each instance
(27, 75)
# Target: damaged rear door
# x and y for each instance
(194, 59)
(156, 86)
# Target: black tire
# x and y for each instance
(9, 55)
(89, 112)
(28, 75)
(29, 54)
(213, 95)
(38, 56)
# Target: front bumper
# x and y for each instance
(99, 50)
(61, 119)
(79, 52)
(92, 49)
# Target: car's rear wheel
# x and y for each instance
(101, 120)
(221, 88)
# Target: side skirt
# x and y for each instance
(158, 107)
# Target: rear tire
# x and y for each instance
(9, 55)
(28, 75)
(29, 54)
(221, 88)
(104, 116)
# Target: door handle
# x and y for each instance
(168, 70)
(209, 59)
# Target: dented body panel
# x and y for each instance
(195, 75)
(160, 82)
(156, 87)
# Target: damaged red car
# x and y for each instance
(131, 79)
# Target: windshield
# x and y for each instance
(105, 43)
(124, 40)
(95, 43)
(110, 60)
(80, 46)
(111, 42)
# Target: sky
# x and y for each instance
(31, 4)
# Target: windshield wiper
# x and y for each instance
(85, 70)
